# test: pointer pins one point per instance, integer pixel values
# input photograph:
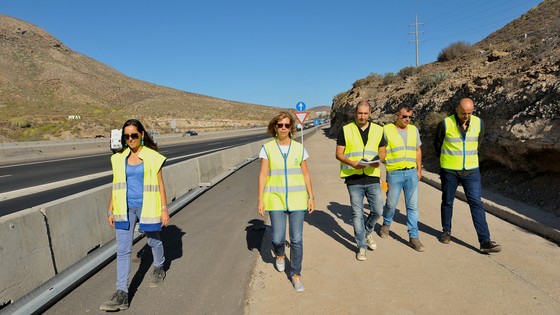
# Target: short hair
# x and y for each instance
(363, 103)
(406, 106)
(270, 130)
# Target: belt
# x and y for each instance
(406, 169)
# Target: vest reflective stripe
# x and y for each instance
(291, 171)
(150, 220)
(282, 189)
(399, 155)
(355, 149)
(458, 153)
(285, 186)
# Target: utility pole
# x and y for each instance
(416, 32)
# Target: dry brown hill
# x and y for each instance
(42, 82)
(515, 83)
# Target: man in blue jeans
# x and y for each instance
(403, 163)
(359, 140)
(457, 142)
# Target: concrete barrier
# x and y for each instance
(77, 225)
(38, 243)
(25, 254)
(180, 178)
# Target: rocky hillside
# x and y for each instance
(43, 82)
(514, 78)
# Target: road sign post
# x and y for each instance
(301, 116)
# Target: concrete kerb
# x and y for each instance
(523, 215)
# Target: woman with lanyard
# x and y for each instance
(285, 192)
(138, 194)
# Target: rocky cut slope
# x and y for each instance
(514, 78)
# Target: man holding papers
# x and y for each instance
(359, 140)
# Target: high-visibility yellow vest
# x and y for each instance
(355, 149)
(150, 219)
(458, 153)
(399, 155)
(285, 186)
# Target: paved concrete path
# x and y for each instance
(449, 279)
(208, 276)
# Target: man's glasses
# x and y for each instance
(284, 125)
(132, 136)
(407, 116)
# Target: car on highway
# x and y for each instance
(190, 133)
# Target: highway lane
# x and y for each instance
(211, 247)
(29, 184)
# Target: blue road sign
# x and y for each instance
(300, 106)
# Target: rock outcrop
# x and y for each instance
(515, 87)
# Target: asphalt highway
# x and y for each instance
(25, 185)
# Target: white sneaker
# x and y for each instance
(361, 255)
(280, 265)
(370, 242)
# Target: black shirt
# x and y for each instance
(361, 179)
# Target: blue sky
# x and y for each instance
(274, 53)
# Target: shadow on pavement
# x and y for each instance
(400, 218)
(255, 234)
(328, 225)
(172, 238)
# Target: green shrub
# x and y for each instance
(407, 72)
(371, 79)
(430, 81)
(455, 50)
(389, 78)
(20, 122)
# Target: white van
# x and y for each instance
(116, 135)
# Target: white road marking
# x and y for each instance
(39, 188)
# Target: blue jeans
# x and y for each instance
(278, 224)
(406, 180)
(473, 191)
(124, 248)
(373, 194)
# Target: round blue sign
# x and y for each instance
(300, 106)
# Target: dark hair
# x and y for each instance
(407, 107)
(272, 124)
(148, 141)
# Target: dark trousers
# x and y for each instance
(473, 190)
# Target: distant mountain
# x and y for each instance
(42, 82)
(324, 108)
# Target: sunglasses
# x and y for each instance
(132, 136)
(284, 125)
(407, 116)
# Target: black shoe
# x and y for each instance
(157, 277)
(490, 247)
(445, 237)
(118, 302)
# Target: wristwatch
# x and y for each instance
(109, 214)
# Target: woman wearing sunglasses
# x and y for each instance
(138, 194)
(285, 192)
